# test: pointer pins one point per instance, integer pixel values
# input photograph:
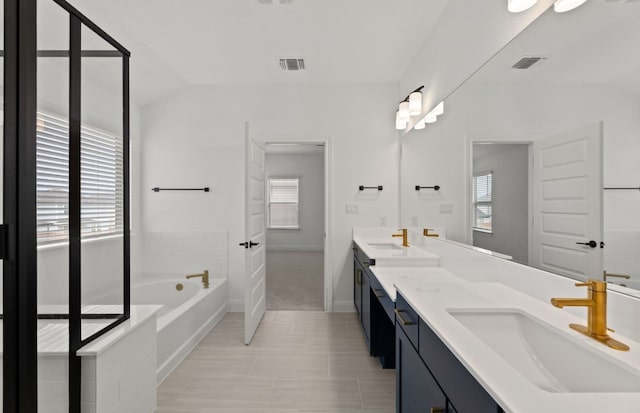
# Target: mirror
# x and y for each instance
(533, 160)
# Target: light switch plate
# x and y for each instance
(351, 209)
(446, 208)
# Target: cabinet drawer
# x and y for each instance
(407, 319)
(462, 389)
(384, 299)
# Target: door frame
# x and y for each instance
(328, 202)
(468, 193)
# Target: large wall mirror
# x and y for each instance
(538, 153)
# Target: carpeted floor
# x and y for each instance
(295, 281)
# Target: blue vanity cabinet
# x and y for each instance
(366, 306)
(416, 389)
(383, 342)
(461, 388)
(357, 287)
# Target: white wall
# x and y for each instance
(196, 138)
(519, 112)
(509, 164)
(309, 168)
(467, 34)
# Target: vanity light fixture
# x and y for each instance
(400, 124)
(517, 6)
(431, 117)
(439, 110)
(421, 124)
(403, 111)
(561, 6)
(415, 103)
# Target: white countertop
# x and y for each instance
(512, 391)
(399, 256)
(388, 276)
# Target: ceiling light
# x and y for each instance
(560, 6)
(415, 103)
(403, 111)
(400, 124)
(420, 125)
(517, 6)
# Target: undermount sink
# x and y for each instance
(385, 246)
(551, 359)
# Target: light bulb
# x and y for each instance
(560, 6)
(403, 111)
(420, 125)
(439, 110)
(415, 103)
(517, 6)
(400, 124)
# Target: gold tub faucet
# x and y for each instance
(596, 303)
(425, 232)
(204, 275)
(405, 243)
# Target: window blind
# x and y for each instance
(283, 203)
(483, 214)
(101, 183)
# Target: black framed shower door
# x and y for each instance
(18, 231)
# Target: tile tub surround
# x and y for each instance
(299, 361)
(118, 369)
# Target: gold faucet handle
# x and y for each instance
(595, 285)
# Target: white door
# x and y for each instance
(567, 203)
(254, 283)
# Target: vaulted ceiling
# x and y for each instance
(209, 42)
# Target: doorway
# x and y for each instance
(295, 214)
(500, 188)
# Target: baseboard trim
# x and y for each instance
(343, 307)
(295, 248)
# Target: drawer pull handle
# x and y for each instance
(402, 319)
(438, 410)
(378, 292)
(359, 276)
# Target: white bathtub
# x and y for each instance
(187, 316)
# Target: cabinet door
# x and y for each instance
(366, 307)
(416, 390)
(357, 287)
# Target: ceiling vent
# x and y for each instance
(292, 64)
(527, 62)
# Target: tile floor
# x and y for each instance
(298, 362)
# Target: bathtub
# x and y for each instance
(186, 317)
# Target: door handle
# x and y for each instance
(591, 243)
(244, 244)
(253, 244)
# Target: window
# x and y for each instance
(101, 183)
(482, 209)
(283, 203)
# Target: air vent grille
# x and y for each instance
(292, 64)
(527, 62)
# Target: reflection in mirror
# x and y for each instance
(554, 134)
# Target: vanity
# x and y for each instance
(477, 333)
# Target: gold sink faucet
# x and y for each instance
(596, 303)
(204, 275)
(405, 243)
(425, 232)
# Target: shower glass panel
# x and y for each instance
(52, 200)
(102, 182)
